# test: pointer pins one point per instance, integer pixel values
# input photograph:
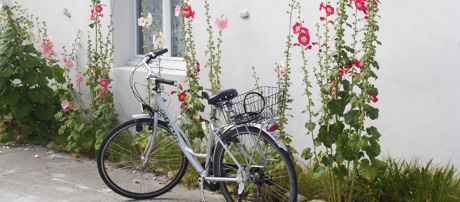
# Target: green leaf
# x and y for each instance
(371, 112)
(310, 126)
(306, 154)
(372, 131)
(368, 171)
(40, 94)
(352, 118)
(357, 102)
(44, 111)
(80, 127)
(22, 108)
(336, 106)
(340, 172)
(62, 129)
(375, 64)
(9, 95)
(59, 74)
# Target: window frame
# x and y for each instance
(168, 62)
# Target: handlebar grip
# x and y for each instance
(164, 81)
(160, 52)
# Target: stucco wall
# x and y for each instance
(419, 60)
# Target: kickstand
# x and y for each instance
(240, 192)
(201, 182)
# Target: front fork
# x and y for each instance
(151, 142)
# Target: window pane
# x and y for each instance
(178, 48)
(154, 7)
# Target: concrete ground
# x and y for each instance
(34, 174)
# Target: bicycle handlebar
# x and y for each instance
(151, 75)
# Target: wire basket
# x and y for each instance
(254, 106)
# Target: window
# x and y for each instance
(164, 20)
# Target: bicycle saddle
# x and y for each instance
(214, 96)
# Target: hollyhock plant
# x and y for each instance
(221, 23)
(187, 11)
(104, 83)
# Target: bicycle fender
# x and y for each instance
(146, 116)
(279, 142)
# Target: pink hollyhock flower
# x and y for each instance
(98, 8)
(321, 6)
(374, 99)
(177, 11)
(160, 42)
(351, 1)
(187, 11)
(329, 10)
(101, 92)
(148, 20)
(141, 21)
(322, 18)
(197, 66)
(90, 102)
(221, 23)
(304, 38)
(78, 79)
(104, 83)
(67, 62)
(93, 14)
(296, 28)
(48, 45)
(182, 96)
(65, 105)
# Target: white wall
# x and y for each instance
(419, 62)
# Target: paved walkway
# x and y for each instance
(59, 177)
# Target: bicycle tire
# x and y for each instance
(119, 160)
(271, 181)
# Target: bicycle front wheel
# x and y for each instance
(126, 169)
(271, 172)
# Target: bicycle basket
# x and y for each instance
(254, 106)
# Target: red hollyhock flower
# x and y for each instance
(348, 66)
(374, 99)
(360, 5)
(314, 43)
(296, 28)
(358, 63)
(304, 38)
(172, 92)
(197, 66)
(341, 73)
(187, 11)
(309, 47)
(191, 76)
(182, 96)
(321, 6)
(322, 18)
(329, 10)
(356, 73)
(304, 30)
(180, 87)
(104, 83)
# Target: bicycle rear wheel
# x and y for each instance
(121, 165)
(271, 171)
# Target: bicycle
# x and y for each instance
(147, 156)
